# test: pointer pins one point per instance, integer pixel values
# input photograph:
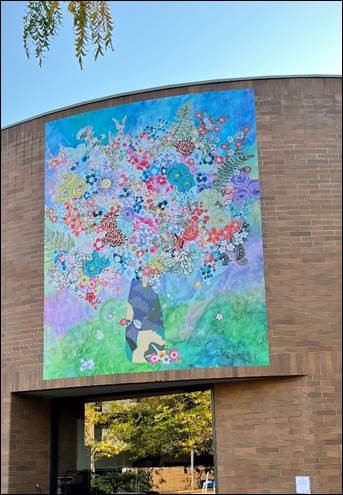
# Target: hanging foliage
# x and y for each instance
(92, 25)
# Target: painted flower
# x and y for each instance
(214, 235)
(127, 214)
(254, 188)
(229, 194)
(87, 365)
(161, 181)
(174, 355)
(123, 179)
(90, 296)
(240, 196)
(153, 358)
(240, 181)
(208, 159)
(106, 183)
(185, 183)
(154, 170)
(99, 244)
(84, 280)
(125, 193)
(201, 177)
(95, 265)
(227, 232)
(219, 159)
(175, 172)
(235, 225)
(91, 179)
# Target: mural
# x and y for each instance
(153, 244)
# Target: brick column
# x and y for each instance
(26, 443)
(269, 431)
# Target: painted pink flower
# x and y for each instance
(99, 244)
(174, 355)
(161, 180)
(143, 164)
(90, 297)
(92, 283)
(122, 180)
(153, 358)
(54, 163)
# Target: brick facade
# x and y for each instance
(268, 429)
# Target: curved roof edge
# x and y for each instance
(169, 86)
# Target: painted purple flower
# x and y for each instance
(127, 214)
(240, 181)
(106, 183)
(254, 188)
(240, 196)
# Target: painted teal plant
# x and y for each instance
(95, 265)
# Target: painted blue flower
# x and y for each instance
(145, 175)
(95, 265)
(175, 172)
(91, 179)
(125, 194)
(117, 258)
(208, 159)
(185, 183)
(197, 155)
(200, 177)
(154, 170)
(137, 207)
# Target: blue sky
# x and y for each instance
(170, 42)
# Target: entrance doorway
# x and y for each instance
(139, 444)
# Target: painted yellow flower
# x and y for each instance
(79, 188)
(84, 280)
(106, 183)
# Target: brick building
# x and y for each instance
(271, 423)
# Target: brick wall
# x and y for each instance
(299, 142)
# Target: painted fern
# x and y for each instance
(54, 240)
(185, 128)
